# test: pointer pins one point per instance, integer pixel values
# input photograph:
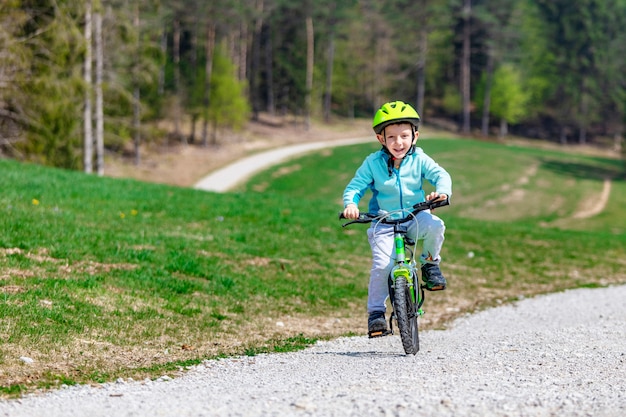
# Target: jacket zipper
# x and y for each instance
(399, 184)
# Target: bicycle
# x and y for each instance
(405, 292)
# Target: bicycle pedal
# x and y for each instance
(379, 333)
(436, 288)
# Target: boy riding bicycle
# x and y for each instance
(394, 174)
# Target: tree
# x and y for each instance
(208, 73)
(229, 106)
(414, 23)
(52, 108)
(99, 98)
(88, 116)
(330, 63)
(131, 59)
(136, 87)
(382, 57)
(574, 33)
(495, 18)
(255, 67)
(310, 54)
(351, 72)
(15, 57)
(465, 65)
(331, 16)
(509, 97)
(610, 52)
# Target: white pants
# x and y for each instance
(430, 229)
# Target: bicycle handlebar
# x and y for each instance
(369, 217)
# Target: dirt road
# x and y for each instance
(228, 177)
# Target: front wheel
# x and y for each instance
(406, 315)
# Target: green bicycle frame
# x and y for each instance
(403, 268)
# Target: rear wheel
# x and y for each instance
(406, 315)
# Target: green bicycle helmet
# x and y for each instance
(392, 113)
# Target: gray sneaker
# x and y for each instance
(376, 324)
(433, 278)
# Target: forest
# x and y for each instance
(79, 78)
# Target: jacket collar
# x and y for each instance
(388, 157)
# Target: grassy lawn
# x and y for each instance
(102, 278)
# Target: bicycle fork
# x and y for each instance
(416, 292)
(406, 268)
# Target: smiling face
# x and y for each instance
(398, 139)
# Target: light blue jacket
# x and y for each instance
(396, 188)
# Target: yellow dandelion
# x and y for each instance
(133, 212)
(35, 202)
(122, 215)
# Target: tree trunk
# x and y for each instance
(309, 71)
(192, 128)
(88, 139)
(582, 135)
(137, 125)
(487, 97)
(214, 133)
(255, 68)
(136, 94)
(504, 128)
(421, 70)
(465, 66)
(381, 47)
(208, 71)
(329, 77)
(269, 56)
(191, 139)
(161, 85)
(99, 99)
(242, 56)
(584, 112)
(177, 89)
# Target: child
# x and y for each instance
(394, 174)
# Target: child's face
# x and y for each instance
(398, 139)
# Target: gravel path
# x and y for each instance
(561, 354)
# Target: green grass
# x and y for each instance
(101, 278)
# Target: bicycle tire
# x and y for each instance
(406, 316)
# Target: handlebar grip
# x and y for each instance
(429, 205)
(363, 218)
(443, 203)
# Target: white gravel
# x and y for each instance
(556, 355)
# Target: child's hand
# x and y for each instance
(434, 197)
(351, 212)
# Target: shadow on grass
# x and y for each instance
(614, 170)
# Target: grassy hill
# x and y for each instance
(101, 277)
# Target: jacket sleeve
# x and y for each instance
(358, 186)
(437, 176)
